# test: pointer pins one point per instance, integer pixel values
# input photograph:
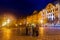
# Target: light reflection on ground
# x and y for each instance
(6, 33)
(45, 33)
(41, 31)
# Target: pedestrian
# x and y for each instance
(26, 30)
(37, 30)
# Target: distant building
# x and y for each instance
(50, 12)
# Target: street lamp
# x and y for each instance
(6, 22)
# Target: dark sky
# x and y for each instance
(23, 7)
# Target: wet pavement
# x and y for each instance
(49, 33)
(45, 33)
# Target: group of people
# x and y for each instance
(32, 31)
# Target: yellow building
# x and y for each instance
(41, 17)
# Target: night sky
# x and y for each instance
(23, 7)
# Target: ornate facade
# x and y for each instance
(42, 16)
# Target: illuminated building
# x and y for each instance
(50, 12)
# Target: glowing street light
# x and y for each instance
(16, 24)
(41, 21)
(20, 24)
(8, 21)
(4, 23)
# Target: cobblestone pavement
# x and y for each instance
(44, 34)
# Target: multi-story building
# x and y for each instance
(50, 14)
